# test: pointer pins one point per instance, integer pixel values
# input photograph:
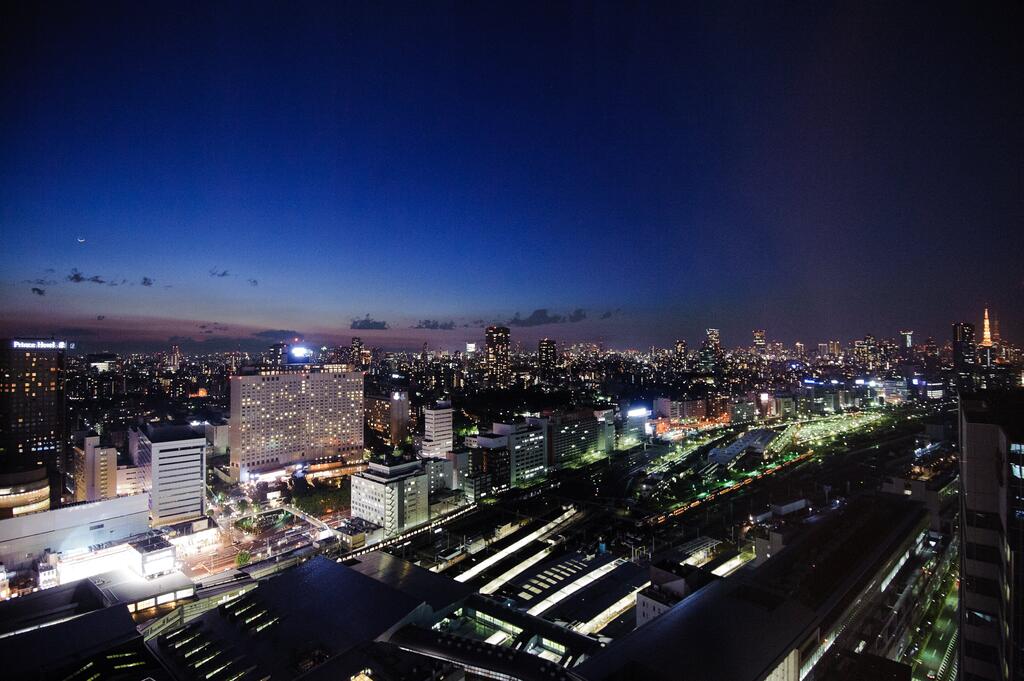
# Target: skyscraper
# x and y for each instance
(760, 345)
(32, 412)
(964, 354)
(679, 361)
(992, 535)
(986, 331)
(908, 339)
(174, 359)
(547, 357)
(496, 358)
(710, 351)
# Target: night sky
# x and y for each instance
(629, 175)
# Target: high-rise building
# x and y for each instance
(277, 354)
(908, 339)
(711, 351)
(679, 360)
(992, 536)
(964, 355)
(176, 459)
(438, 438)
(388, 415)
(356, 353)
(496, 359)
(32, 411)
(547, 357)
(822, 349)
(95, 470)
(527, 447)
(760, 344)
(393, 496)
(174, 359)
(799, 349)
(570, 436)
(834, 348)
(290, 414)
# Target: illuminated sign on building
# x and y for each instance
(41, 345)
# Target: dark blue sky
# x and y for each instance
(818, 171)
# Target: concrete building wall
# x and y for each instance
(25, 538)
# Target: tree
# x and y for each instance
(243, 506)
(243, 558)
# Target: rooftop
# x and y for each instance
(291, 623)
(172, 433)
(438, 591)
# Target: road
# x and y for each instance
(937, 655)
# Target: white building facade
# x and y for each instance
(438, 437)
(290, 414)
(176, 459)
(395, 497)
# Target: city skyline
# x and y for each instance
(661, 173)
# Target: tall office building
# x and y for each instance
(174, 359)
(992, 536)
(277, 354)
(679, 359)
(388, 415)
(907, 343)
(547, 357)
(438, 438)
(710, 351)
(32, 411)
(393, 496)
(95, 470)
(175, 457)
(527, 447)
(570, 436)
(356, 353)
(834, 348)
(497, 368)
(294, 413)
(760, 344)
(964, 354)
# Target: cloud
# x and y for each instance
(577, 315)
(38, 291)
(49, 270)
(367, 324)
(146, 281)
(538, 317)
(219, 274)
(253, 282)
(39, 282)
(607, 315)
(100, 317)
(73, 331)
(277, 334)
(434, 325)
(77, 277)
(478, 322)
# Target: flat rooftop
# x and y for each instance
(438, 591)
(741, 628)
(290, 624)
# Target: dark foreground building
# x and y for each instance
(992, 536)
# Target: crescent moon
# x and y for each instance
(81, 240)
